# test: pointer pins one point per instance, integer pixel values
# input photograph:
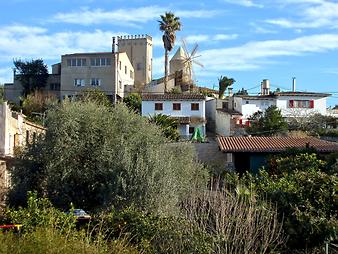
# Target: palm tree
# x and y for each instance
(167, 124)
(224, 83)
(169, 24)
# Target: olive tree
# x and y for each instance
(95, 156)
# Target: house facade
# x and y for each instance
(222, 119)
(15, 132)
(109, 72)
(292, 103)
(187, 109)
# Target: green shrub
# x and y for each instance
(95, 157)
(40, 213)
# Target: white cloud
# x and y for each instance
(36, 42)
(6, 75)
(311, 14)
(246, 3)
(125, 17)
(254, 55)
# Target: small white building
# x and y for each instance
(291, 103)
(188, 109)
(221, 117)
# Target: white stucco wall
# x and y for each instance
(283, 104)
(223, 123)
(148, 108)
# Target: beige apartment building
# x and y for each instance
(139, 49)
(107, 71)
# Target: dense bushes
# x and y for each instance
(95, 157)
(209, 222)
(304, 191)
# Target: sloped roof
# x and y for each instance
(179, 55)
(173, 97)
(302, 94)
(272, 144)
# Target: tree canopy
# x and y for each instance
(223, 84)
(32, 74)
(133, 102)
(268, 123)
(96, 156)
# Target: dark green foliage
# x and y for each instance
(94, 95)
(133, 102)
(167, 125)
(268, 123)
(40, 213)
(32, 74)
(305, 198)
(152, 233)
(242, 92)
(95, 156)
(223, 84)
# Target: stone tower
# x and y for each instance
(139, 49)
(179, 63)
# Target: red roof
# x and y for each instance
(173, 97)
(272, 144)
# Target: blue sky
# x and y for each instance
(248, 40)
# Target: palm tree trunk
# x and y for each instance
(165, 70)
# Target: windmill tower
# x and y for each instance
(183, 60)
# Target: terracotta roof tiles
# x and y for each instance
(272, 144)
(173, 97)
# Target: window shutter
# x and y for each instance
(290, 103)
(312, 104)
(240, 121)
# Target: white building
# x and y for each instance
(291, 104)
(221, 116)
(188, 109)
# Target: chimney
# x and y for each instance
(265, 87)
(293, 84)
(113, 46)
(230, 91)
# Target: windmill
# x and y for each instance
(183, 60)
(190, 59)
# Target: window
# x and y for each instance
(79, 82)
(27, 137)
(195, 106)
(54, 86)
(191, 130)
(120, 65)
(76, 62)
(120, 84)
(125, 70)
(131, 74)
(138, 66)
(158, 106)
(225, 105)
(95, 82)
(247, 102)
(100, 61)
(176, 106)
(301, 104)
